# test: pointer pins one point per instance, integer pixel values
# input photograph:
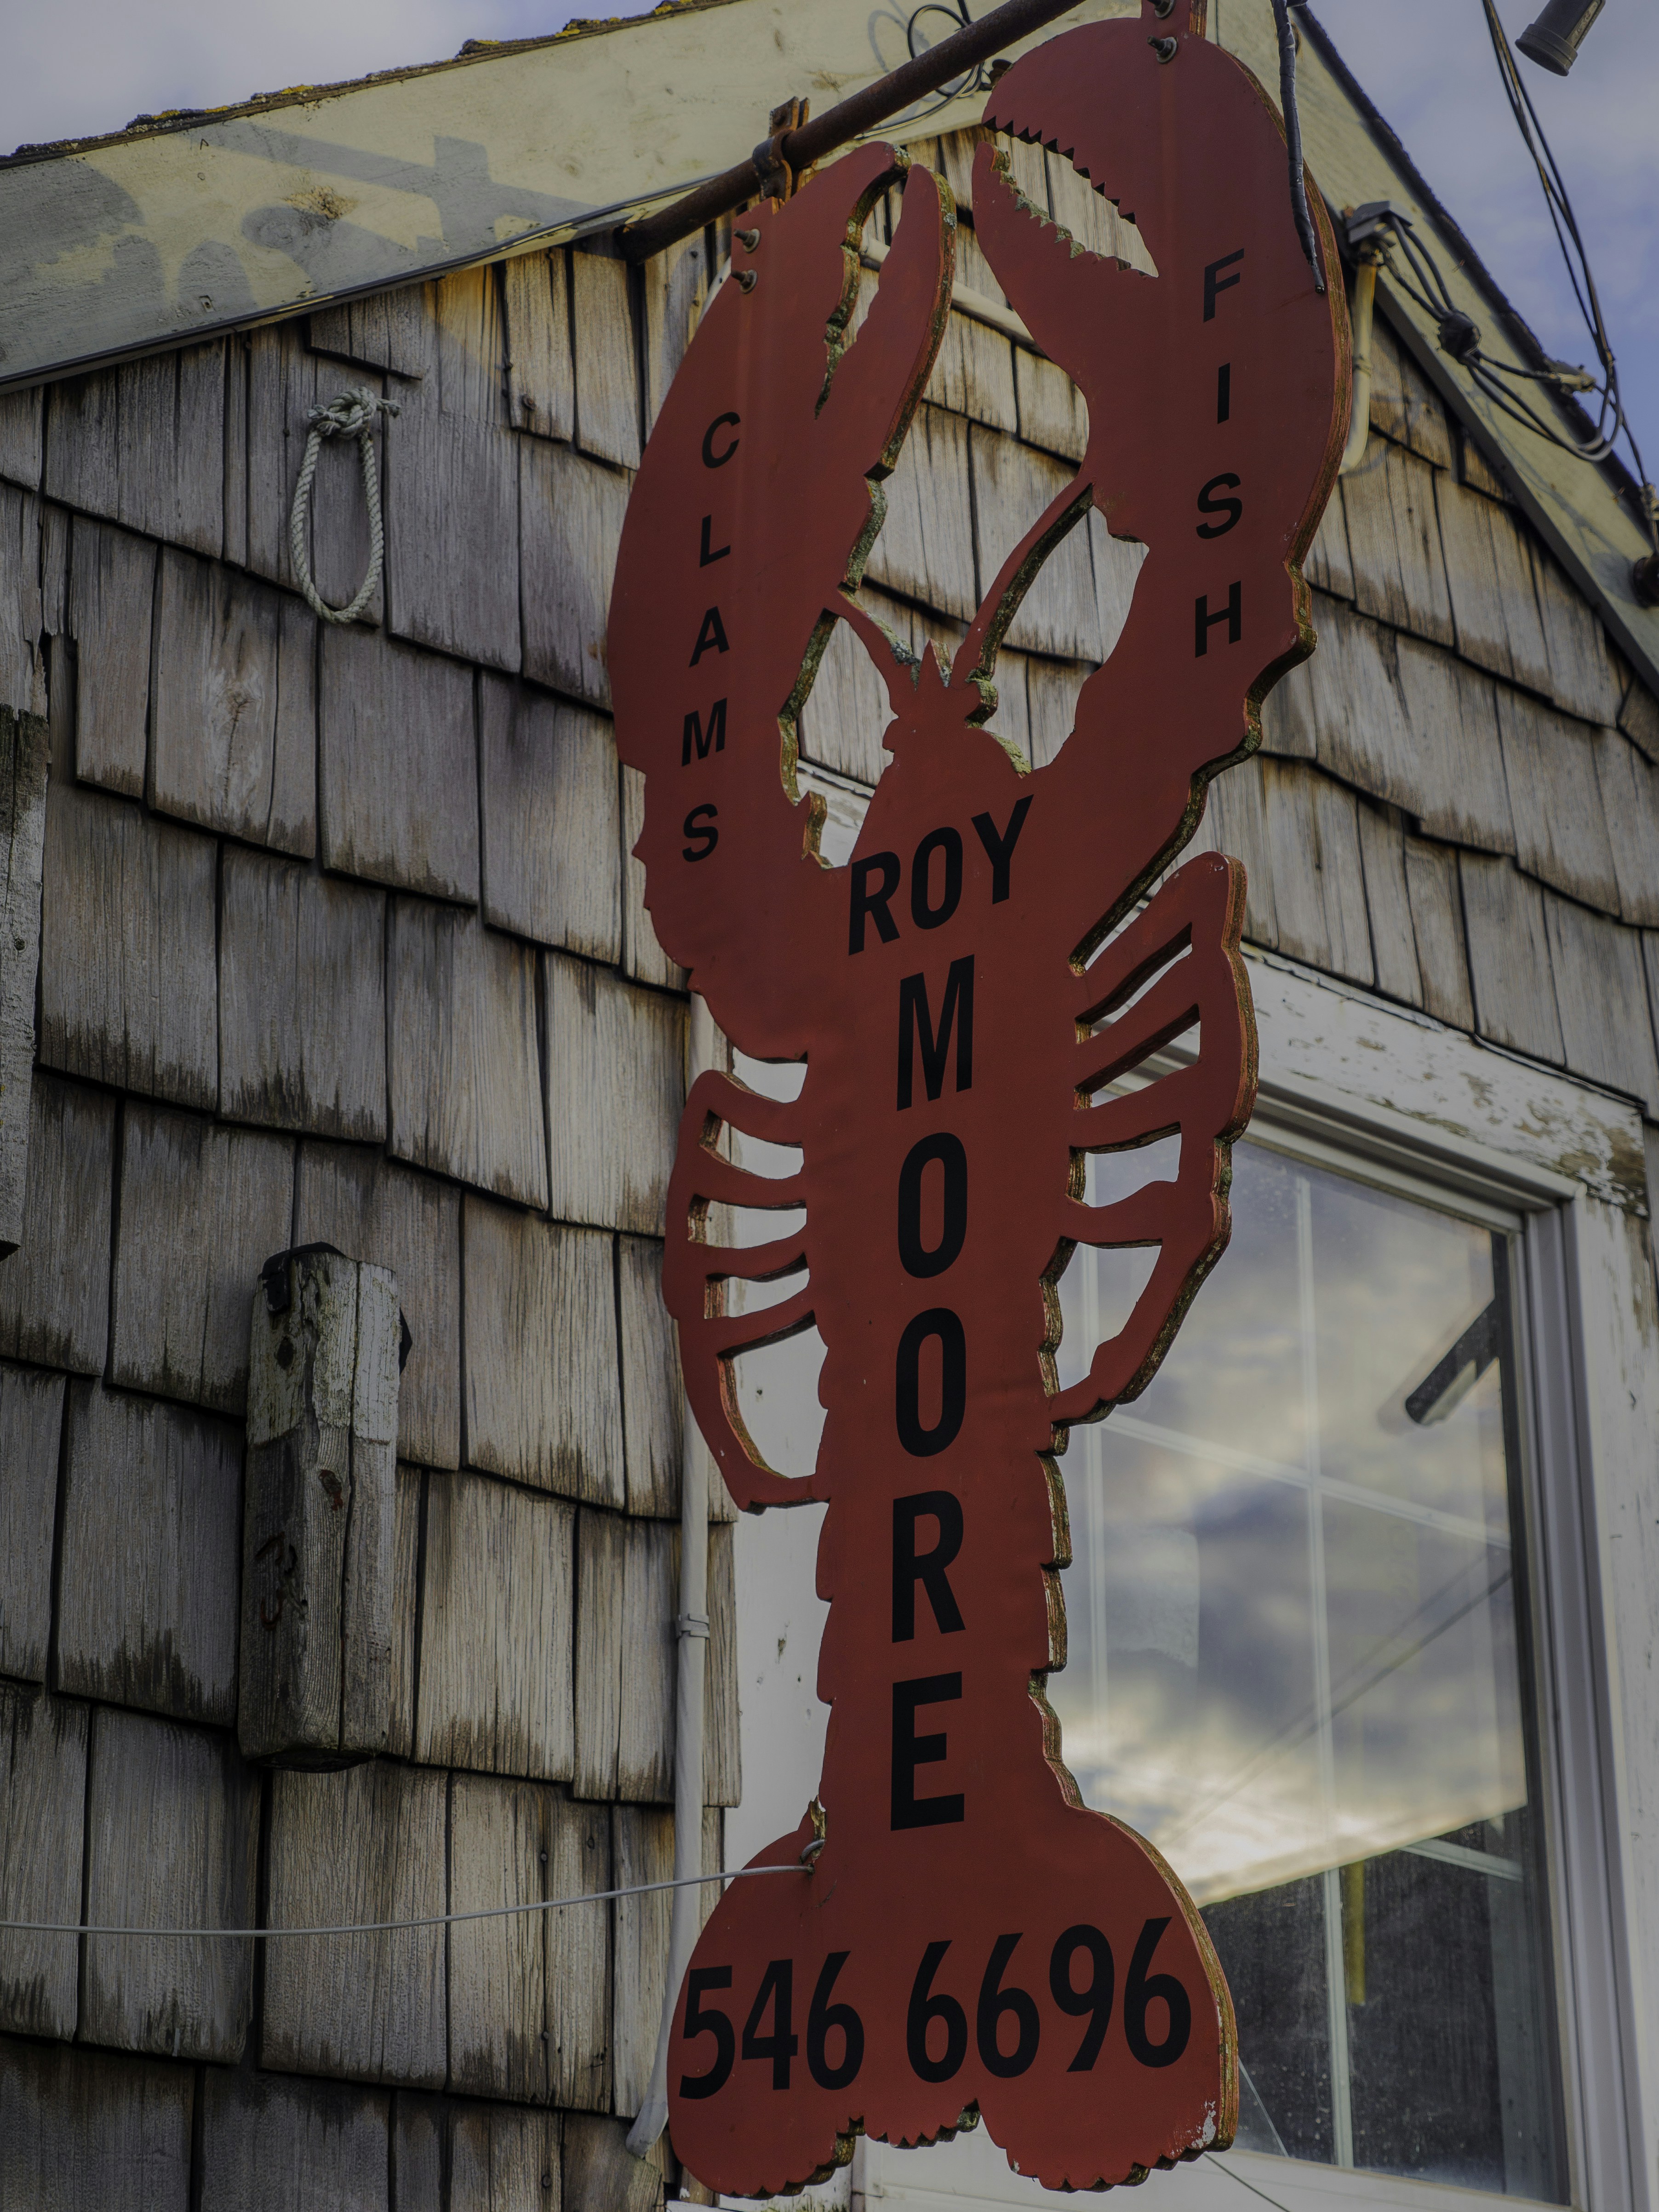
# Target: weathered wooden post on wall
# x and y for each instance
(319, 1510)
(962, 1938)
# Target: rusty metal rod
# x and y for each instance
(849, 119)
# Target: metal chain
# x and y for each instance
(352, 415)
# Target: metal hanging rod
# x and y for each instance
(788, 152)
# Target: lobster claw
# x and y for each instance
(755, 502)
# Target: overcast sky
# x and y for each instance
(1426, 63)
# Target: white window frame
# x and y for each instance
(1391, 1096)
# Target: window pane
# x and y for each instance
(1295, 1666)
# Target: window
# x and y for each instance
(1299, 1665)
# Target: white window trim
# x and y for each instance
(1400, 1101)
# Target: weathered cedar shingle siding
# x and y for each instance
(343, 941)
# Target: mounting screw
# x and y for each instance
(1161, 7)
(747, 279)
(1166, 49)
(748, 240)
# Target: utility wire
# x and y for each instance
(398, 1927)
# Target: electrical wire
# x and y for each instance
(398, 1927)
(1504, 382)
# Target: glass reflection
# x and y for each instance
(1295, 1667)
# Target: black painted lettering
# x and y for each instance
(711, 636)
(1000, 848)
(707, 552)
(1209, 504)
(699, 825)
(923, 913)
(916, 1023)
(711, 459)
(1204, 621)
(946, 1152)
(1214, 281)
(911, 1751)
(874, 903)
(938, 1324)
(707, 741)
(911, 1567)
(1223, 391)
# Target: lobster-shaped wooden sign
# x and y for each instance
(968, 1938)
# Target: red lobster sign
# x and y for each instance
(970, 1937)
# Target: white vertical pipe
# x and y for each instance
(1364, 300)
(703, 1051)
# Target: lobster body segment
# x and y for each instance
(979, 1008)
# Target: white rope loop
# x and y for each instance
(351, 415)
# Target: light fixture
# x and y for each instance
(1553, 36)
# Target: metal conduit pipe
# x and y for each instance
(703, 1051)
(1362, 309)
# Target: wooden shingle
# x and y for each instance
(551, 820)
(465, 1071)
(1432, 879)
(650, 1589)
(602, 1544)
(722, 1770)
(1561, 828)
(22, 667)
(172, 1819)
(20, 438)
(302, 999)
(234, 728)
(1052, 689)
(1462, 790)
(398, 777)
(1630, 800)
(151, 1551)
(452, 524)
(1607, 1028)
(31, 1425)
(1329, 565)
(268, 2144)
(24, 757)
(77, 2126)
(1236, 823)
(643, 1848)
(1403, 407)
(1388, 903)
(1394, 539)
(203, 1209)
(143, 444)
(128, 939)
(1053, 413)
(374, 1209)
(570, 519)
(497, 1614)
(1581, 672)
(367, 1844)
(676, 289)
(653, 1394)
(497, 1968)
(600, 2173)
(643, 957)
(607, 378)
(406, 1606)
(974, 375)
(43, 1796)
(847, 709)
(1060, 614)
(1319, 898)
(1489, 571)
(542, 1401)
(385, 331)
(1638, 716)
(54, 1289)
(616, 1085)
(1509, 968)
(541, 391)
(505, 2158)
(925, 547)
(579, 1986)
(112, 607)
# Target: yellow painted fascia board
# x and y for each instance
(163, 237)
